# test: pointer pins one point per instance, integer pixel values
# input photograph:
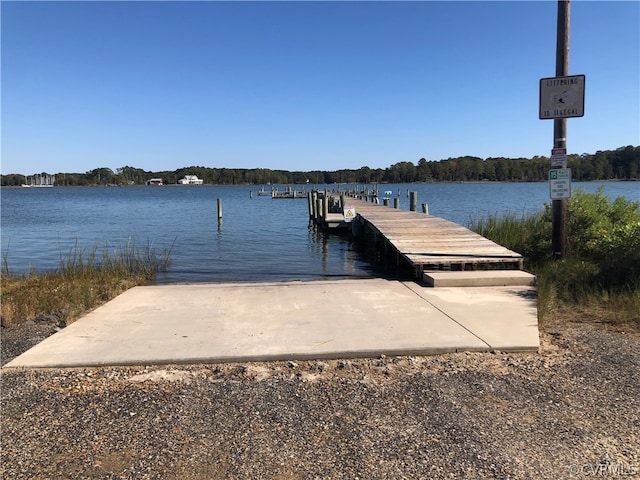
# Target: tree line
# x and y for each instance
(620, 164)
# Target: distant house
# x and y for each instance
(154, 181)
(190, 180)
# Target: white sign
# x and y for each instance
(560, 183)
(558, 157)
(349, 213)
(562, 97)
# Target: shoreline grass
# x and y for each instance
(85, 280)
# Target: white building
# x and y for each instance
(190, 180)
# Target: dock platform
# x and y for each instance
(428, 243)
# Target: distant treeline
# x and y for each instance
(620, 164)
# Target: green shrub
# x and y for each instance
(606, 233)
(602, 255)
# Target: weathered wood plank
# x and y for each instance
(426, 240)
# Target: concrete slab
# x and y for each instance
(478, 278)
(279, 321)
(506, 318)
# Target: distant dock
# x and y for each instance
(440, 252)
(287, 193)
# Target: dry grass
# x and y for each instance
(618, 312)
(82, 283)
(27, 298)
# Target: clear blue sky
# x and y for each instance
(304, 85)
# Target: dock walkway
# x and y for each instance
(431, 244)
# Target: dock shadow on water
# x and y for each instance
(364, 256)
(339, 255)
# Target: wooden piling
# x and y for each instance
(413, 201)
(219, 209)
(325, 204)
(310, 204)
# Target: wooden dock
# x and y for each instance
(428, 243)
(288, 192)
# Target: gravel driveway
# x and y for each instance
(571, 411)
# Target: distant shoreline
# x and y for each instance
(474, 182)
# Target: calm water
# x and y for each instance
(258, 239)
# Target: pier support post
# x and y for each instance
(310, 203)
(425, 208)
(413, 201)
(385, 202)
(325, 205)
(219, 209)
(396, 203)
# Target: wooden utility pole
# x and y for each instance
(559, 207)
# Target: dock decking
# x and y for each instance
(426, 242)
(287, 193)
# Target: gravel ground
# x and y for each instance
(571, 411)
